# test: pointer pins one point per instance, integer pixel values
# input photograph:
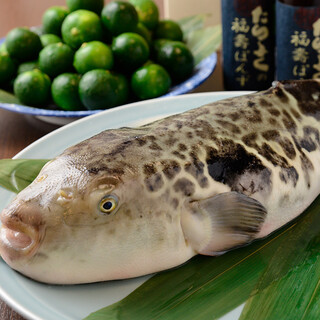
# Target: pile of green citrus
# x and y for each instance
(94, 56)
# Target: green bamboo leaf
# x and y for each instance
(6, 97)
(204, 42)
(289, 287)
(193, 23)
(201, 41)
(16, 174)
(204, 288)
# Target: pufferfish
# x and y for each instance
(134, 201)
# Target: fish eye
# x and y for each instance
(108, 204)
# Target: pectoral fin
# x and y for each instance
(222, 222)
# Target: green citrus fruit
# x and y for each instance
(55, 59)
(168, 29)
(93, 55)
(91, 5)
(156, 45)
(32, 88)
(3, 47)
(122, 91)
(176, 57)
(98, 89)
(147, 11)
(47, 39)
(28, 66)
(52, 19)
(7, 68)
(144, 32)
(130, 51)
(65, 91)
(81, 26)
(23, 44)
(150, 81)
(119, 17)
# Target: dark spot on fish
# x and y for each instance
(281, 94)
(229, 126)
(149, 169)
(274, 112)
(179, 124)
(306, 166)
(203, 129)
(296, 114)
(251, 104)
(182, 147)
(120, 148)
(265, 103)
(305, 92)
(219, 114)
(234, 116)
(228, 164)
(141, 141)
(287, 147)
(288, 121)
(179, 155)
(203, 182)
(296, 142)
(273, 121)
(185, 186)
(284, 199)
(277, 160)
(289, 174)
(253, 116)
(154, 182)
(272, 135)
(310, 139)
(151, 138)
(171, 141)
(109, 171)
(308, 144)
(250, 139)
(189, 135)
(170, 168)
(93, 170)
(155, 146)
(285, 143)
(196, 169)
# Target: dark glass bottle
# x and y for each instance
(298, 39)
(248, 44)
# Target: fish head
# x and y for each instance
(76, 224)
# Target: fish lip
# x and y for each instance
(9, 251)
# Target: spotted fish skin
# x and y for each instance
(265, 145)
(204, 181)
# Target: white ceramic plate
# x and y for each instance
(38, 301)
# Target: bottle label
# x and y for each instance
(298, 42)
(248, 44)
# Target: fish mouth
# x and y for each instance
(18, 241)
